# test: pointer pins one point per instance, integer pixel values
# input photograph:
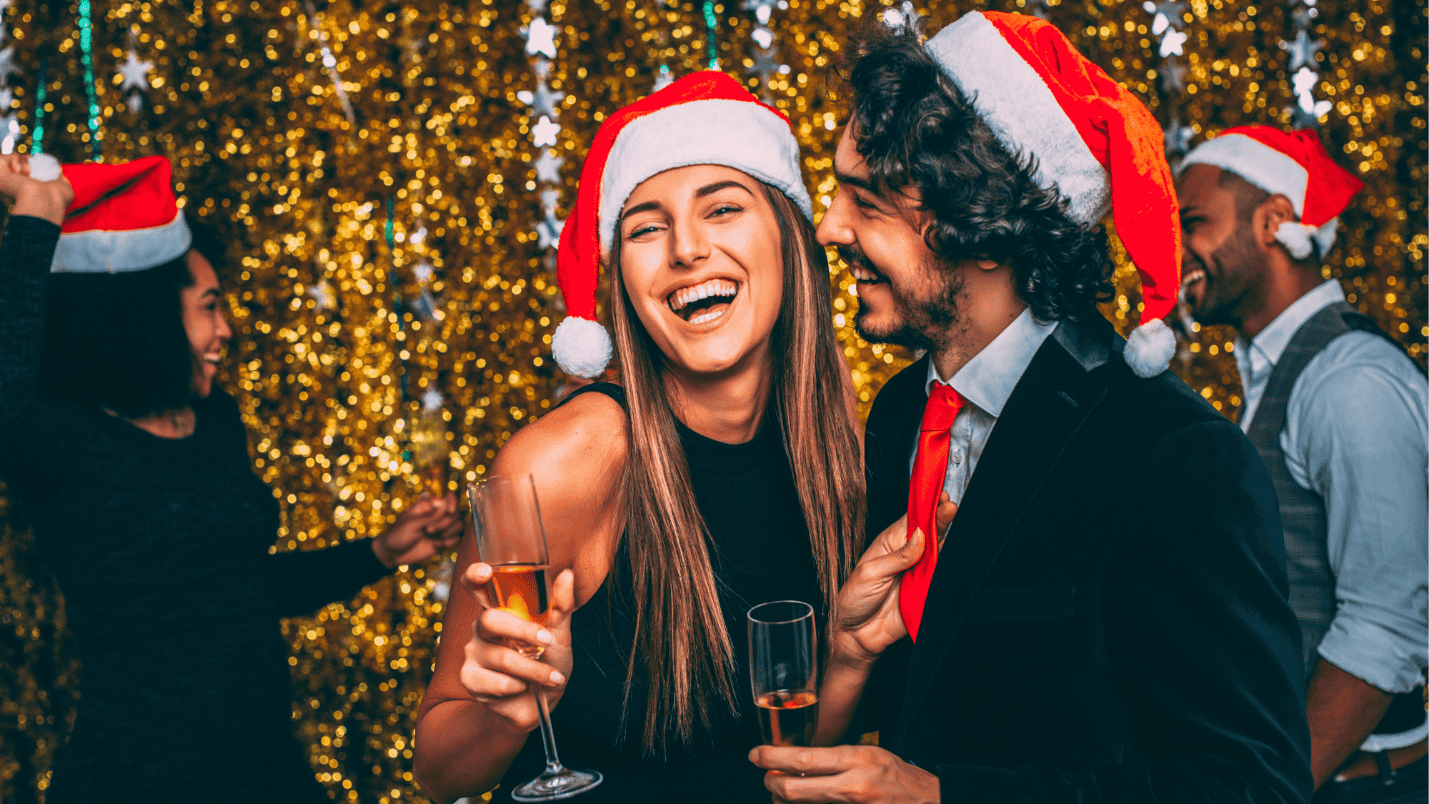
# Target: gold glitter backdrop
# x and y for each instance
(329, 360)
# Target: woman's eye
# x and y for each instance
(725, 209)
(862, 204)
(640, 230)
(211, 306)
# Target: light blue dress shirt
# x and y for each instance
(984, 382)
(1356, 434)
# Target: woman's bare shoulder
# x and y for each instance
(576, 452)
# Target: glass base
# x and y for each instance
(552, 786)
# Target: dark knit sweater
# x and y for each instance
(160, 547)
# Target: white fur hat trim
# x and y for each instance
(1150, 348)
(738, 134)
(581, 347)
(1016, 104)
(1257, 163)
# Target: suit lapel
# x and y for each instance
(1044, 412)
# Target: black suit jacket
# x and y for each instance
(1108, 620)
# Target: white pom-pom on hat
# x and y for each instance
(44, 167)
(1150, 348)
(581, 347)
(1296, 237)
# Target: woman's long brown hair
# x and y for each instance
(680, 638)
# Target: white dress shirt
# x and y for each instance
(984, 382)
(1356, 434)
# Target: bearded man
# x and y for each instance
(1075, 635)
(1337, 411)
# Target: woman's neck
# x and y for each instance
(164, 424)
(727, 407)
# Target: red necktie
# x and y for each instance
(930, 468)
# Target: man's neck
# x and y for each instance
(1282, 288)
(980, 326)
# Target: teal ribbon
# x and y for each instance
(37, 132)
(711, 27)
(86, 47)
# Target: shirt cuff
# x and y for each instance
(1374, 655)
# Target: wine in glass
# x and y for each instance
(783, 671)
(506, 518)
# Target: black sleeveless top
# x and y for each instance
(759, 547)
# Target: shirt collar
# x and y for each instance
(1271, 342)
(988, 378)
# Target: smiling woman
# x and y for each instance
(670, 501)
(113, 328)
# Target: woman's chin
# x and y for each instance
(714, 360)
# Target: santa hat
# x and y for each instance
(1294, 164)
(124, 217)
(1090, 140)
(706, 118)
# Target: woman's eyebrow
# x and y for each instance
(720, 185)
(648, 205)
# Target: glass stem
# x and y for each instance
(548, 736)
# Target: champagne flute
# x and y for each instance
(783, 671)
(509, 536)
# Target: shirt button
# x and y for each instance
(956, 457)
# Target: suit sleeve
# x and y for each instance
(1203, 638)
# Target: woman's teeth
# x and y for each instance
(686, 302)
(703, 317)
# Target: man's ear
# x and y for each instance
(1267, 218)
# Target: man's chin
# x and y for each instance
(889, 333)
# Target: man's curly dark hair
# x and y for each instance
(914, 127)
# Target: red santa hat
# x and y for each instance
(1294, 164)
(1091, 141)
(706, 118)
(124, 217)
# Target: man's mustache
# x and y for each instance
(855, 258)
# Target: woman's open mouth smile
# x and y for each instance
(703, 303)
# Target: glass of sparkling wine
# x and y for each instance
(783, 671)
(509, 536)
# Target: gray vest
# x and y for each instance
(1302, 512)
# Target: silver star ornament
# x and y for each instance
(135, 72)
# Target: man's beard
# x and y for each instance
(1232, 282)
(923, 315)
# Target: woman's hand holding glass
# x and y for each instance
(495, 672)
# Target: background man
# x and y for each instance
(1337, 411)
(1077, 637)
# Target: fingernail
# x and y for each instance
(556, 677)
(545, 636)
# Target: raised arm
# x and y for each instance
(26, 250)
(478, 709)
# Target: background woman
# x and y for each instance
(725, 473)
(136, 474)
